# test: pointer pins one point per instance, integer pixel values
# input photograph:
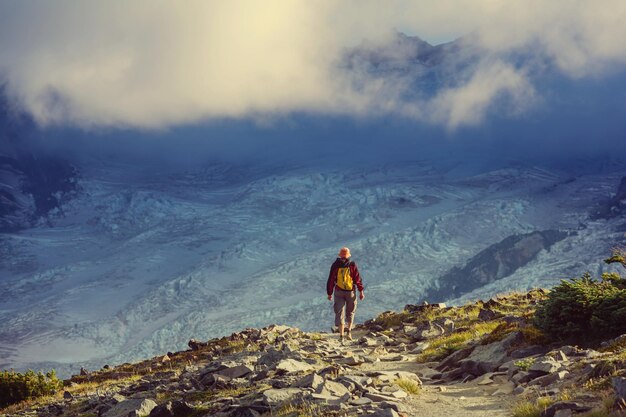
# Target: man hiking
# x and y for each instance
(342, 280)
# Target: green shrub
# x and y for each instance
(525, 364)
(16, 386)
(584, 309)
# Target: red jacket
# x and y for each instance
(332, 276)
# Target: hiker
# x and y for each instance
(342, 280)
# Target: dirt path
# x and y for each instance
(438, 400)
(460, 400)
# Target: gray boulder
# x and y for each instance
(359, 402)
(419, 348)
(196, 345)
(334, 388)
(368, 341)
(235, 371)
(244, 412)
(453, 359)
(215, 380)
(412, 308)
(292, 365)
(619, 385)
(271, 357)
(529, 351)
(488, 358)
(172, 409)
(311, 380)
(385, 412)
(484, 359)
(352, 360)
(544, 366)
(447, 324)
(564, 405)
(429, 331)
(327, 398)
(378, 396)
(549, 379)
(274, 397)
(486, 314)
(139, 408)
(358, 381)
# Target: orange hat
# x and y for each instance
(344, 252)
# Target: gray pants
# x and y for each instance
(343, 299)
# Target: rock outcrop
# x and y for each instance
(495, 262)
(613, 207)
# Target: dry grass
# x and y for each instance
(82, 389)
(30, 403)
(533, 335)
(606, 409)
(408, 385)
(230, 347)
(532, 408)
(615, 347)
(443, 346)
(500, 331)
(235, 392)
(304, 409)
(598, 384)
(392, 319)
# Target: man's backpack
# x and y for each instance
(344, 279)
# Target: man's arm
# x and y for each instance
(356, 277)
(330, 284)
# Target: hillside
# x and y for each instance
(427, 360)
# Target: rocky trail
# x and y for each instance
(454, 399)
(481, 359)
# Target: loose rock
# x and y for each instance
(139, 407)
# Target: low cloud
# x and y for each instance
(154, 64)
(493, 83)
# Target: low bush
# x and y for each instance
(16, 386)
(584, 309)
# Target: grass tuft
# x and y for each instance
(408, 385)
(445, 345)
(528, 408)
(525, 364)
(303, 409)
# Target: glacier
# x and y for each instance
(141, 261)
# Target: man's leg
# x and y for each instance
(350, 310)
(340, 302)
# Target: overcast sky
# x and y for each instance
(156, 64)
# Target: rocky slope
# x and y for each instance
(34, 184)
(33, 187)
(427, 360)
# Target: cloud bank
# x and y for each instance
(154, 64)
